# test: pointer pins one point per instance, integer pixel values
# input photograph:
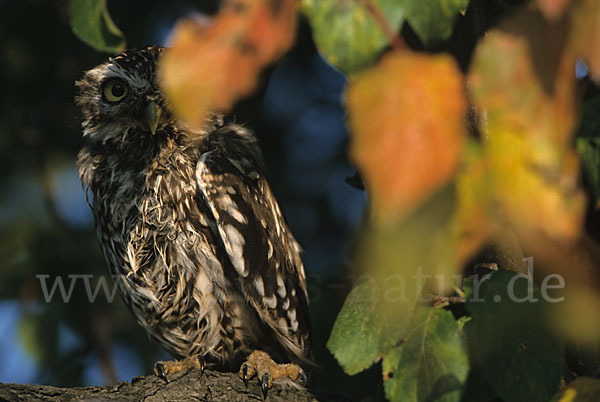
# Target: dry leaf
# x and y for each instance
(210, 67)
(407, 118)
(527, 90)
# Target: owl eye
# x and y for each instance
(114, 90)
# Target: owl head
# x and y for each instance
(121, 98)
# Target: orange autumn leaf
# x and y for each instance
(552, 9)
(212, 66)
(407, 117)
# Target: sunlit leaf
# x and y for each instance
(357, 317)
(347, 34)
(212, 66)
(581, 389)
(527, 92)
(536, 196)
(396, 265)
(351, 35)
(431, 364)
(406, 117)
(399, 251)
(510, 338)
(473, 218)
(525, 87)
(462, 321)
(433, 20)
(552, 9)
(29, 335)
(92, 24)
(365, 329)
(38, 336)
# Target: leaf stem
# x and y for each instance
(392, 36)
(437, 299)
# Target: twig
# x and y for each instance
(437, 299)
(392, 36)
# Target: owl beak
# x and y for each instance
(152, 116)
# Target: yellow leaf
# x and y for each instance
(406, 117)
(212, 66)
(527, 92)
(473, 221)
(569, 396)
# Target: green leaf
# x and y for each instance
(92, 24)
(433, 20)
(346, 33)
(350, 38)
(462, 321)
(432, 365)
(28, 330)
(37, 333)
(582, 389)
(377, 314)
(365, 329)
(509, 338)
(399, 259)
(588, 146)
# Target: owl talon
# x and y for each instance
(302, 378)
(260, 364)
(245, 374)
(264, 384)
(202, 364)
(159, 370)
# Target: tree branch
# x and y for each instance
(212, 386)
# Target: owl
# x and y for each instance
(190, 228)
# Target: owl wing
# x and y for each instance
(263, 253)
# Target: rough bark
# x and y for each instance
(212, 386)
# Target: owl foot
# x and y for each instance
(161, 369)
(261, 365)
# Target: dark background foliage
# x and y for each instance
(46, 227)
